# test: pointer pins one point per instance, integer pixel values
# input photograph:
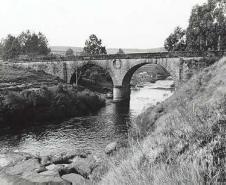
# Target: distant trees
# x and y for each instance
(93, 46)
(26, 43)
(69, 52)
(120, 51)
(206, 29)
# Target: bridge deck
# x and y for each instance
(127, 56)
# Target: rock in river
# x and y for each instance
(110, 148)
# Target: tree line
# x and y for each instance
(33, 44)
(206, 29)
(26, 43)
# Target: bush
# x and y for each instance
(48, 104)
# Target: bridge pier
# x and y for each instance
(121, 93)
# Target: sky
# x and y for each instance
(140, 24)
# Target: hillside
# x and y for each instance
(14, 78)
(62, 50)
(183, 137)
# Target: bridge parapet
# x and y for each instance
(177, 54)
(157, 55)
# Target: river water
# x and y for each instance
(91, 133)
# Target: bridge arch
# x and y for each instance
(121, 91)
(86, 65)
(128, 76)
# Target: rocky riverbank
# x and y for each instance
(61, 169)
(77, 168)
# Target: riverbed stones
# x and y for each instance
(32, 178)
(85, 166)
(27, 172)
(32, 170)
(110, 148)
(45, 160)
(64, 158)
(55, 167)
(13, 157)
(13, 180)
(23, 166)
(76, 179)
(45, 178)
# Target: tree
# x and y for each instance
(34, 44)
(43, 44)
(69, 52)
(11, 47)
(93, 46)
(207, 27)
(78, 71)
(26, 43)
(176, 40)
(120, 51)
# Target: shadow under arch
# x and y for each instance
(93, 74)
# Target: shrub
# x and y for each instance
(49, 104)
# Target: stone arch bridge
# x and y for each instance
(119, 66)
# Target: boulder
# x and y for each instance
(13, 157)
(45, 160)
(32, 178)
(31, 172)
(82, 166)
(13, 180)
(110, 148)
(76, 179)
(62, 158)
(23, 166)
(22, 169)
(55, 167)
(45, 178)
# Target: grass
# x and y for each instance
(182, 140)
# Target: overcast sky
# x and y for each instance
(119, 23)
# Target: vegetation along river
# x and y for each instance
(91, 133)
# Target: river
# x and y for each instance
(91, 133)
